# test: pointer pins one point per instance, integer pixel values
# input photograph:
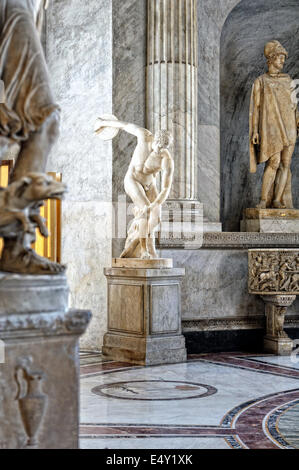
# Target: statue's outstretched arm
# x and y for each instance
(125, 126)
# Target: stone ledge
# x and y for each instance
(245, 240)
(74, 322)
(233, 240)
(237, 323)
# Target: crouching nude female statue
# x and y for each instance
(151, 157)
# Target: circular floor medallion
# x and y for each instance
(151, 390)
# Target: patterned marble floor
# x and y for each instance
(214, 401)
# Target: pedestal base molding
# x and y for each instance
(270, 221)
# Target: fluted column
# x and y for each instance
(172, 86)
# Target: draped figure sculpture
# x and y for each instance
(274, 122)
(29, 120)
(151, 157)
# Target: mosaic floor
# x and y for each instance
(214, 401)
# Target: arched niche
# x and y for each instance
(248, 27)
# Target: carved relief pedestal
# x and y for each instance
(39, 364)
(144, 312)
(274, 275)
(276, 340)
(270, 220)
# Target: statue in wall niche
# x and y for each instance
(274, 122)
(151, 157)
(29, 120)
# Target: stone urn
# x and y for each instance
(32, 403)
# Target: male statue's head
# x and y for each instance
(276, 56)
(162, 140)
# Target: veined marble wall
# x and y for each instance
(211, 18)
(79, 54)
(129, 92)
(249, 26)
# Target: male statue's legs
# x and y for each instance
(286, 158)
(270, 173)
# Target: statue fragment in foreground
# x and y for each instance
(29, 122)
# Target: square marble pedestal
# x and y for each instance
(270, 220)
(144, 312)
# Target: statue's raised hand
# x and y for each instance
(104, 131)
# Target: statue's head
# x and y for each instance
(162, 140)
(275, 54)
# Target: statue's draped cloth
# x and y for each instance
(23, 69)
(277, 117)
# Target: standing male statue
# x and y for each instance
(274, 121)
(29, 116)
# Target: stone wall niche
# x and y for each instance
(247, 29)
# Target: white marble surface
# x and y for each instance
(154, 443)
(235, 386)
(283, 361)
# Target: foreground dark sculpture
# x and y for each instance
(29, 119)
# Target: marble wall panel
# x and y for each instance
(215, 285)
(211, 17)
(129, 62)
(79, 55)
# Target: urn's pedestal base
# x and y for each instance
(144, 314)
(270, 220)
(276, 340)
(39, 363)
(278, 346)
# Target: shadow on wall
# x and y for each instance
(250, 25)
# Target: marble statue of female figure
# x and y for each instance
(29, 117)
(151, 156)
(273, 129)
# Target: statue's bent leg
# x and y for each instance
(286, 158)
(272, 166)
(154, 220)
(136, 192)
